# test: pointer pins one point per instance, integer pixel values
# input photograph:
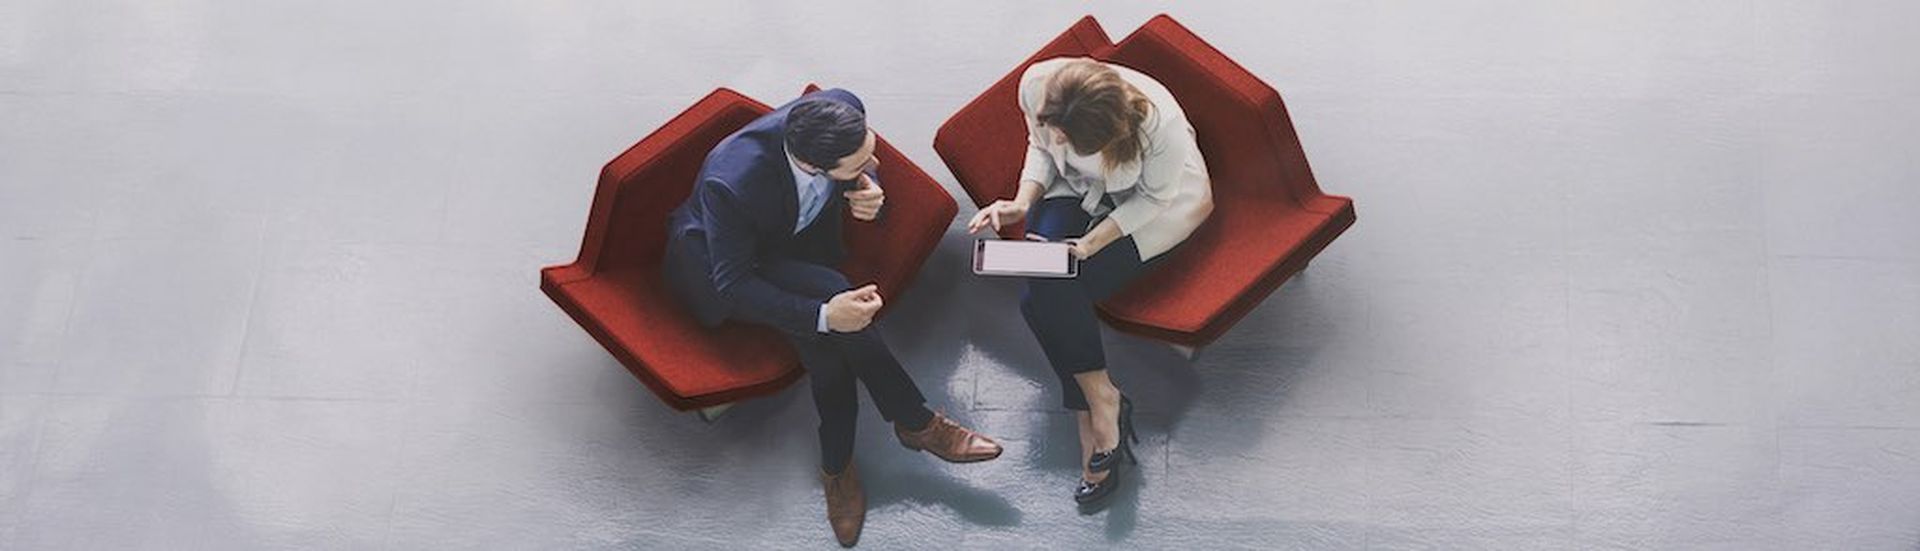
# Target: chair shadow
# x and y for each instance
(948, 313)
(1166, 387)
(952, 310)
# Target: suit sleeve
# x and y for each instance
(731, 243)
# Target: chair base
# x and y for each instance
(713, 413)
(1185, 352)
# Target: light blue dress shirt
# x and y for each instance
(812, 190)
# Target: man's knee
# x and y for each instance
(814, 280)
(832, 280)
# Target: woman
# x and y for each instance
(1112, 168)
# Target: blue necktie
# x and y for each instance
(812, 199)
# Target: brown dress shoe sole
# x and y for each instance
(996, 455)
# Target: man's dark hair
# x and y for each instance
(821, 131)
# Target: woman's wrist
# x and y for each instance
(1029, 192)
(1104, 233)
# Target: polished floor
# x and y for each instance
(1637, 274)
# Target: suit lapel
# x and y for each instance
(789, 193)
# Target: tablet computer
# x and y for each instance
(1024, 258)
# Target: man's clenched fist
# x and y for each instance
(851, 311)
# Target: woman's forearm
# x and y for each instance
(1029, 193)
(1103, 234)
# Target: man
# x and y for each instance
(758, 240)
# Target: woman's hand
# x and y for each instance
(1103, 234)
(999, 213)
(1082, 248)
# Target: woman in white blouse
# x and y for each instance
(1113, 168)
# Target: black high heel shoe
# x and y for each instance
(1091, 495)
(1103, 461)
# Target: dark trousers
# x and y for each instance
(1061, 311)
(835, 360)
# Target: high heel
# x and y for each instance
(1092, 495)
(1103, 461)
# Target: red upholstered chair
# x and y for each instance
(978, 141)
(1270, 217)
(613, 289)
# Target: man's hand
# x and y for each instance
(865, 201)
(997, 214)
(851, 311)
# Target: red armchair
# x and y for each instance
(984, 143)
(613, 288)
(1270, 217)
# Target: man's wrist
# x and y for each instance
(821, 325)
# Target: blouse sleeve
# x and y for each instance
(1161, 166)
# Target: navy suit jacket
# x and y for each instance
(741, 213)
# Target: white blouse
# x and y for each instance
(1158, 200)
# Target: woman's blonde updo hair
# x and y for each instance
(1097, 110)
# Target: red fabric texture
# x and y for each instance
(1270, 217)
(613, 288)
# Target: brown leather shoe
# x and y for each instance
(949, 441)
(846, 504)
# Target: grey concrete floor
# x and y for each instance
(1637, 274)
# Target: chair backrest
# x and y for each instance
(1251, 149)
(985, 141)
(641, 186)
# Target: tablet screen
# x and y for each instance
(1024, 256)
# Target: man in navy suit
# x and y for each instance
(758, 242)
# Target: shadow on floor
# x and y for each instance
(949, 312)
